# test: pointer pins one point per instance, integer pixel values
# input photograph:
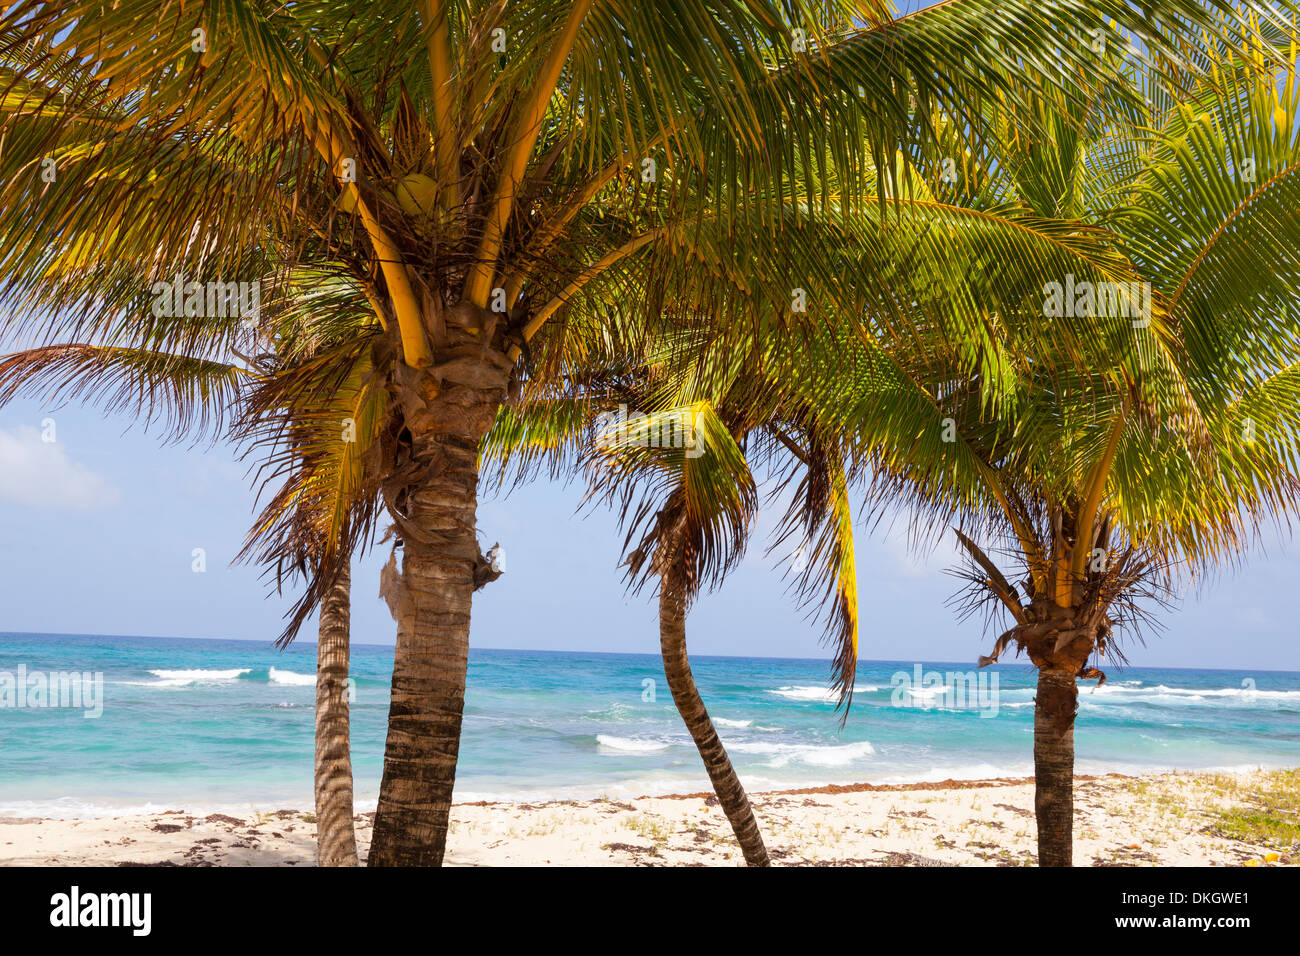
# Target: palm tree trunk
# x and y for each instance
(448, 409)
(336, 839)
(429, 668)
(677, 669)
(1054, 709)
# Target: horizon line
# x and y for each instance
(555, 650)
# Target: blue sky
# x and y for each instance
(97, 531)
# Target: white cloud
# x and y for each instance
(41, 475)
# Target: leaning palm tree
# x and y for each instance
(480, 171)
(1110, 433)
(698, 530)
(682, 472)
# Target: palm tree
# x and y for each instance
(192, 396)
(319, 517)
(683, 474)
(1135, 430)
(1195, 443)
(679, 544)
(336, 837)
(479, 171)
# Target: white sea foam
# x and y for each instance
(184, 678)
(630, 745)
(820, 694)
(979, 771)
(73, 808)
(815, 755)
(926, 693)
(278, 676)
(804, 693)
(724, 722)
(1193, 695)
(837, 756)
(199, 674)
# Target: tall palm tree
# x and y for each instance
(1136, 429)
(320, 516)
(192, 397)
(336, 837)
(479, 170)
(1194, 443)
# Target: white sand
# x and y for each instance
(1151, 821)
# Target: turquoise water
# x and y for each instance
(203, 724)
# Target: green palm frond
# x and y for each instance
(678, 473)
(188, 395)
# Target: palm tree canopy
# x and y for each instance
(374, 166)
(1110, 429)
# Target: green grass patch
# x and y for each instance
(1265, 810)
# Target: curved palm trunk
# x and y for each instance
(677, 670)
(336, 840)
(1054, 709)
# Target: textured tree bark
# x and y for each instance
(336, 840)
(1054, 709)
(448, 409)
(677, 670)
(429, 667)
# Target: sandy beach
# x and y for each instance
(1159, 820)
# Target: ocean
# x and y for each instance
(220, 725)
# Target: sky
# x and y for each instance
(98, 530)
